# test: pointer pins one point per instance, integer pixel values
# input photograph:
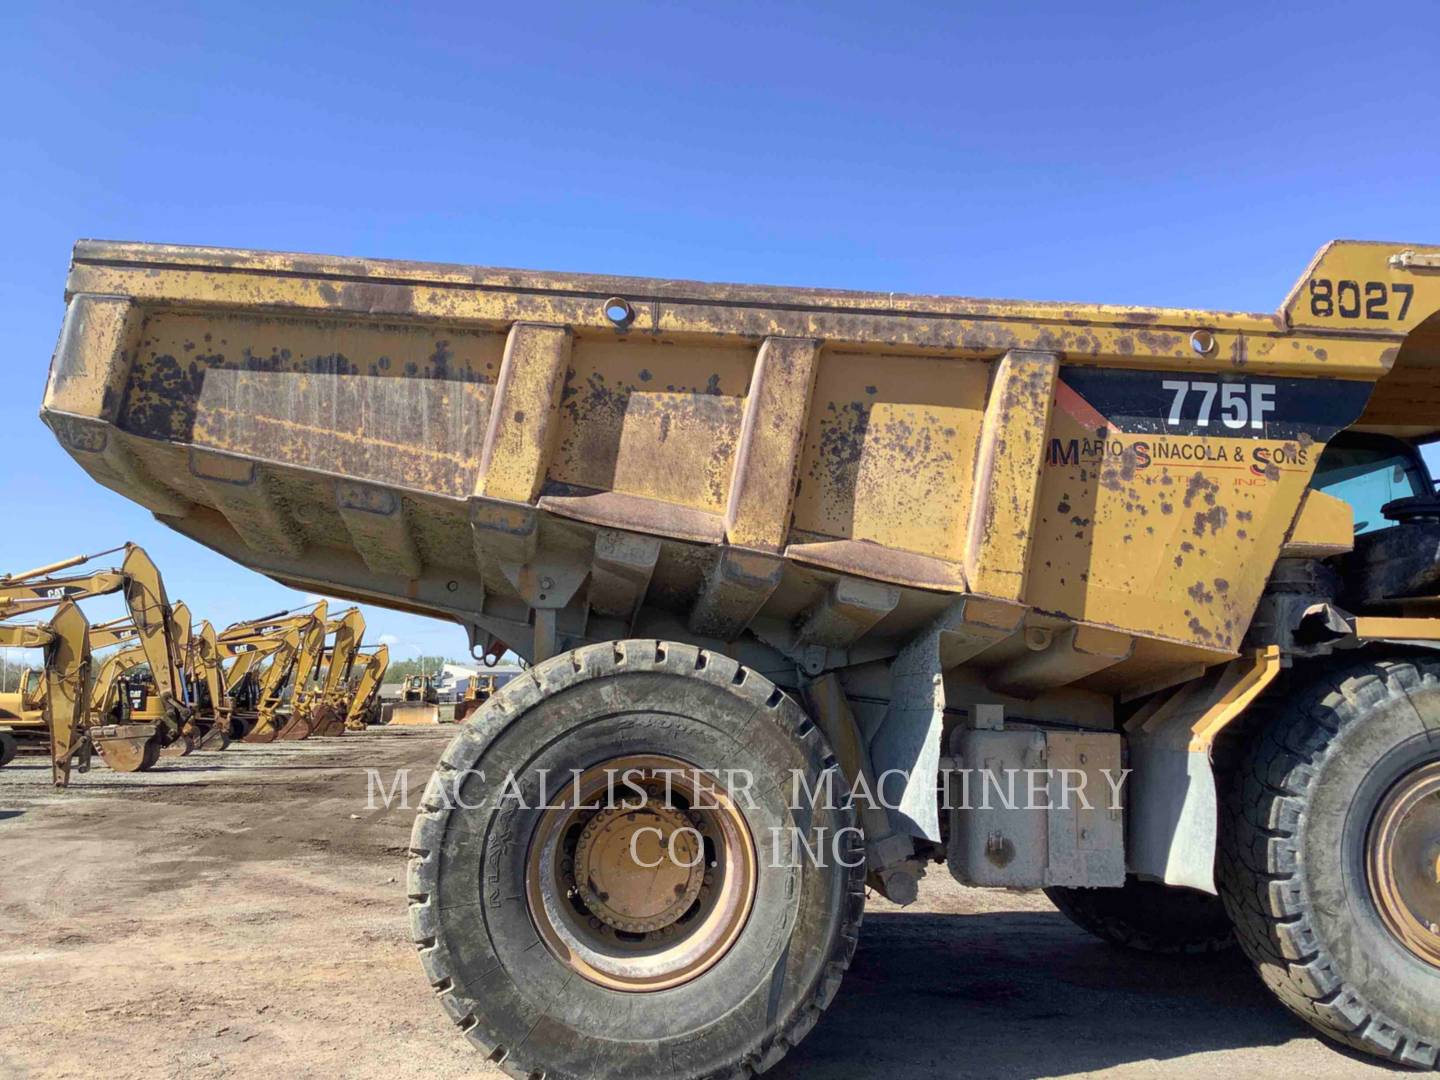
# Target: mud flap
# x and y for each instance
(1172, 802)
(1175, 815)
(906, 743)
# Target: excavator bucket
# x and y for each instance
(127, 747)
(214, 738)
(183, 746)
(294, 728)
(261, 733)
(327, 720)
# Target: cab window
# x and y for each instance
(1367, 477)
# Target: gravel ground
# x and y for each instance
(242, 914)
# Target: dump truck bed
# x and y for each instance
(551, 459)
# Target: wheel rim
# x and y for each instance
(641, 892)
(1403, 861)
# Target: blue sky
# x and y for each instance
(1158, 153)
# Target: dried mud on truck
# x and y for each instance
(823, 591)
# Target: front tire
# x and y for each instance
(1312, 848)
(530, 925)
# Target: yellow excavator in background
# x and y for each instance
(365, 690)
(24, 709)
(198, 732)
(289, 650)
(246, 653)
(60, 698)
(326, 705)
(123, 692)
(126, 746)
(205, 673)
(119, 699)
(21, 710)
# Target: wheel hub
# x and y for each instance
(646, 891)
(639, 869)
(1403, 861)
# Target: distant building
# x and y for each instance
(452, 680)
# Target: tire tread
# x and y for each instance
(512, 700)
(1258, 864)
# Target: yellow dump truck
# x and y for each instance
(813, 575)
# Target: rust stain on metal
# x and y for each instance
(924, 445)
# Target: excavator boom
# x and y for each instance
(159, 632)
(329, 710)
(204, 669)
(281, 651)
(367, 686)
(66, 644)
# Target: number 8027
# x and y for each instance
(1356, 300)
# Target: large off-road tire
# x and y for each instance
(1149, 917)
(8, 747)
(486, 922)
(1311, 850)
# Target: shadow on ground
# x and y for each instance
(1025, 994)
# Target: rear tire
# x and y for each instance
(1148, 916)
(1298, 831)
(486, 941)
(8, 747)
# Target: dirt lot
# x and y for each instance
(242, 914)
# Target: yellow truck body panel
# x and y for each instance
(557, 458)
